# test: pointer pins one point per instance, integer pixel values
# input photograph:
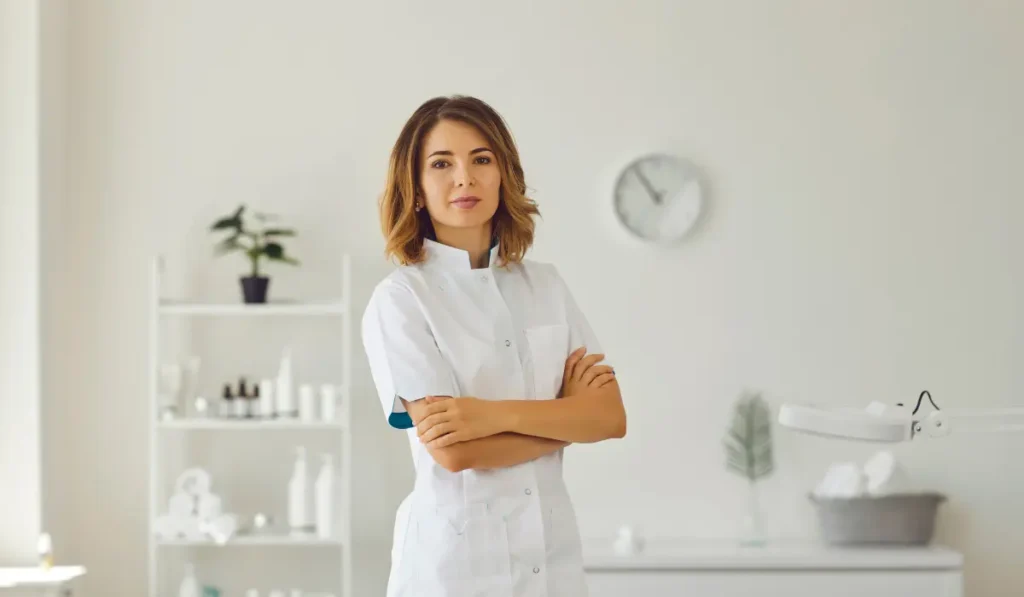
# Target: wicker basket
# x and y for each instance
(900, 519)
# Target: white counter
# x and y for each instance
(31, 581)
(787, 568)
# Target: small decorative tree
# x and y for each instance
(256, 241)
(748, 445)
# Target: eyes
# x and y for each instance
(441, 163)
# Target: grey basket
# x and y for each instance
(899, 519)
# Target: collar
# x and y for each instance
(451, 258)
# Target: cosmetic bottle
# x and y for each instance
(324, 489)
(227, 405)
(242, 400)
(299, 515)
(307, 403)
(328, 402)
(266, 403)
(284, 400)
(253, 410)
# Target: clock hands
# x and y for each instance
(655, 195)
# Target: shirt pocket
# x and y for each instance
(549, 347)
(463, 551)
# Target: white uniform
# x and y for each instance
(442, 328)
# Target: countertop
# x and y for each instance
(781, 555)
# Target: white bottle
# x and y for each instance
(307, 403)
(299, 515)
(189, 586)
(325, 498)
(283, 399)
(266, 405)
(328, 402)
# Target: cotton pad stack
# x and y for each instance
(874, 504)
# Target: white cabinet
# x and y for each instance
(793, 570)
(59, 581)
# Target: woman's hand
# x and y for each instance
(582, 372)
(446, 421)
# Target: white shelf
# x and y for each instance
(177, 435)
(254, 541)
(214, 424)
(171, 307)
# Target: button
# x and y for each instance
(528, 491)
(483, 278)
(508, 343)
(536, 570)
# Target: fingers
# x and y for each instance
(437, 431)
(585, 363)
(426, 423)
(603, 380)
(570, 363)
(445, 440)
(421, 410)
(591, 374)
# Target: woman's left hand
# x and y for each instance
(450, 420)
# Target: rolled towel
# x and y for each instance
(884, 475)
(842, 480)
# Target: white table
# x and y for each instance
(37, 582)
(793, 569)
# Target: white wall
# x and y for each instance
(20, 477)
(863, 164)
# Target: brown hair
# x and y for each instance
(404, 228)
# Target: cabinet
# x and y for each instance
(791, 569)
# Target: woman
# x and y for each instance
(468, 344)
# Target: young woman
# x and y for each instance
(487, 361)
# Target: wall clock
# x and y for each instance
(658, 198)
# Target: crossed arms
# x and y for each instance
(470, 433)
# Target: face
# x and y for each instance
(459, 178)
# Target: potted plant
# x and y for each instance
(749, 454)
(256, 240)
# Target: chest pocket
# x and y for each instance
(549, 347)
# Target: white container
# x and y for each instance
(328, 402)
(189, 586)
(325, 498)
(307, 403)
(284, 401)
(299, 515)
(266, 406)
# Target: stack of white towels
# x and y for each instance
(880, 475)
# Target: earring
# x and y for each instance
(418, 207)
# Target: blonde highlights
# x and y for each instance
(405, 228)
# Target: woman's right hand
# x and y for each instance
(582, 372)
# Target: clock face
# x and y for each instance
(658, 198)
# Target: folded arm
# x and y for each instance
(593, 415)
(494, 451)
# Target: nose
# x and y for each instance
(463, 178)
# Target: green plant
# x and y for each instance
(748, 442)
(256, 240)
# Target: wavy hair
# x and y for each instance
(404, 229)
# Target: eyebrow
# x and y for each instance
(446, 152)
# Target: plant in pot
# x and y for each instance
(749, 454)
(256, 239)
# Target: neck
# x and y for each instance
(475, 241)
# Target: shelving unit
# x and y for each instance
(164, 311)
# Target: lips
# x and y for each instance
(467, 202)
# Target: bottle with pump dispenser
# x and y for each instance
(324, 488)
(299, 512)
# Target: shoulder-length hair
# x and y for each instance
(404, 228)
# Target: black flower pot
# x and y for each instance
(254, 289)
